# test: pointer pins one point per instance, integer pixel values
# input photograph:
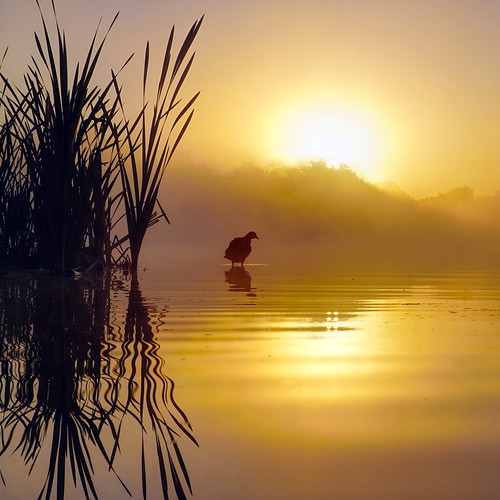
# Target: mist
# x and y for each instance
(316, 215)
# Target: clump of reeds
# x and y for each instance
(70, 168)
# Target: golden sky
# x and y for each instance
(400, 90)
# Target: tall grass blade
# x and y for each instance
(141, 188)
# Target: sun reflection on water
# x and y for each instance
(332, 321)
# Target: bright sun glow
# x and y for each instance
(337, 136)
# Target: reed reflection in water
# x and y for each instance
(78, 387)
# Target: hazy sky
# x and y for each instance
(400, 90)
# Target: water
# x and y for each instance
(265, 384)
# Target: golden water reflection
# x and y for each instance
(394, 396)
(294, 383)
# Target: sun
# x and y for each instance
(335, 135)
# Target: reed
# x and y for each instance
(152, 138)
(70, 168)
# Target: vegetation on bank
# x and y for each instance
(311, 214)
(72, 165)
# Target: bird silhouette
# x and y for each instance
(239, 248)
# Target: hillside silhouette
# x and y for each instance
(315, 214)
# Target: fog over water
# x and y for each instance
(314, 214)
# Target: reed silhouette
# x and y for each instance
(72, 165)
(72, 378)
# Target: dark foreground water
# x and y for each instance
(260, 384)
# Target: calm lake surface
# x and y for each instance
(269, 383)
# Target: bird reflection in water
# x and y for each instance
(239, 280)
(73, 377)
